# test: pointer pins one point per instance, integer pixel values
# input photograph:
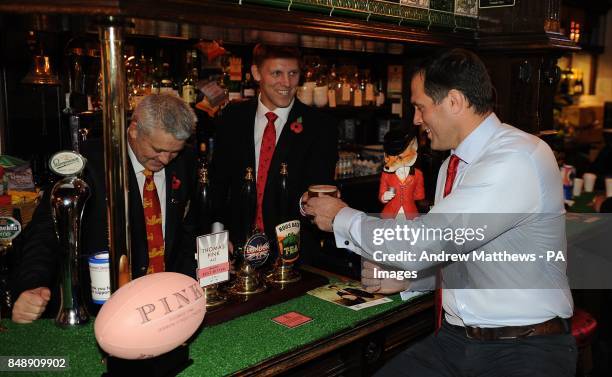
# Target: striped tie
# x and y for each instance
(153, 223)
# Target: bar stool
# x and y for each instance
(583, 330)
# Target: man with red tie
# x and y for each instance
(498, 198)
(162, 181)
(262, 133)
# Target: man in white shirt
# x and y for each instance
(501, 317)
(262, 133)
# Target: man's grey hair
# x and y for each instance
(167, 112)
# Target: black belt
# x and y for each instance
(555, 326)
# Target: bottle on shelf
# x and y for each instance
(249, 89)
(343, 95)
(368, 89)
(167, 84)
(141, 84)
(380, 95)
(188, 87)
(131, 68)
(570, 79)
(332, 85)
(157, 72)
(320, 96)
(234, 78)
(188, 90)
(578, 84)
(358, 89)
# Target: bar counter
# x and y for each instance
(337, 339)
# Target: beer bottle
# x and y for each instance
(287, 238)
(284, 194)
(248, 197)
(204, 198)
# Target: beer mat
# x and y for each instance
(292, 319)
(350, 294)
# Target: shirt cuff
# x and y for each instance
(342, 224)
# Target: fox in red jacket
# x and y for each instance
(401, 184)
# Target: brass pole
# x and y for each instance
(115, 149)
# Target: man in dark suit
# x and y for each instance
(156, 136)
(262, 133)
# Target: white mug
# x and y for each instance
(577, 187)
(589, 181)
(320, 96)
(306, 94)
(608, 187)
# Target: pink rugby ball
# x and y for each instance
(150, 315)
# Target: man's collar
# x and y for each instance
(282, 112)
(136, 165)
(477, 140)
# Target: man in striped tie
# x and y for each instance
(161, 180)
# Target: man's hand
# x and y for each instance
(323, 209)
(382, 286)
(387, 195)
(31, 304)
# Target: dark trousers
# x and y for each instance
(452, 353)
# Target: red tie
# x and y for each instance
(451, 173)
(265, 157)
(153, 224)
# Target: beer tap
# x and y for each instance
(68, 198)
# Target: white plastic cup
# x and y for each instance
(608, 187)
(578, 182)
(99, 273)
(589, 181)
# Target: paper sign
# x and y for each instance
(292, 319)
(213, 258)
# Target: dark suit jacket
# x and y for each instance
(40, 255)
(311, 157)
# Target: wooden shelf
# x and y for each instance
(231, 15)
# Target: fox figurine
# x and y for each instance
(401, 184)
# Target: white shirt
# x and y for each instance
(160, 184)
(261, 122)
(513, 177)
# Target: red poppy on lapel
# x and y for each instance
(176, 183)
(296, 126)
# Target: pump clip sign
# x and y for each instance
(9, 228)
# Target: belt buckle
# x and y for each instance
(467, 332)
